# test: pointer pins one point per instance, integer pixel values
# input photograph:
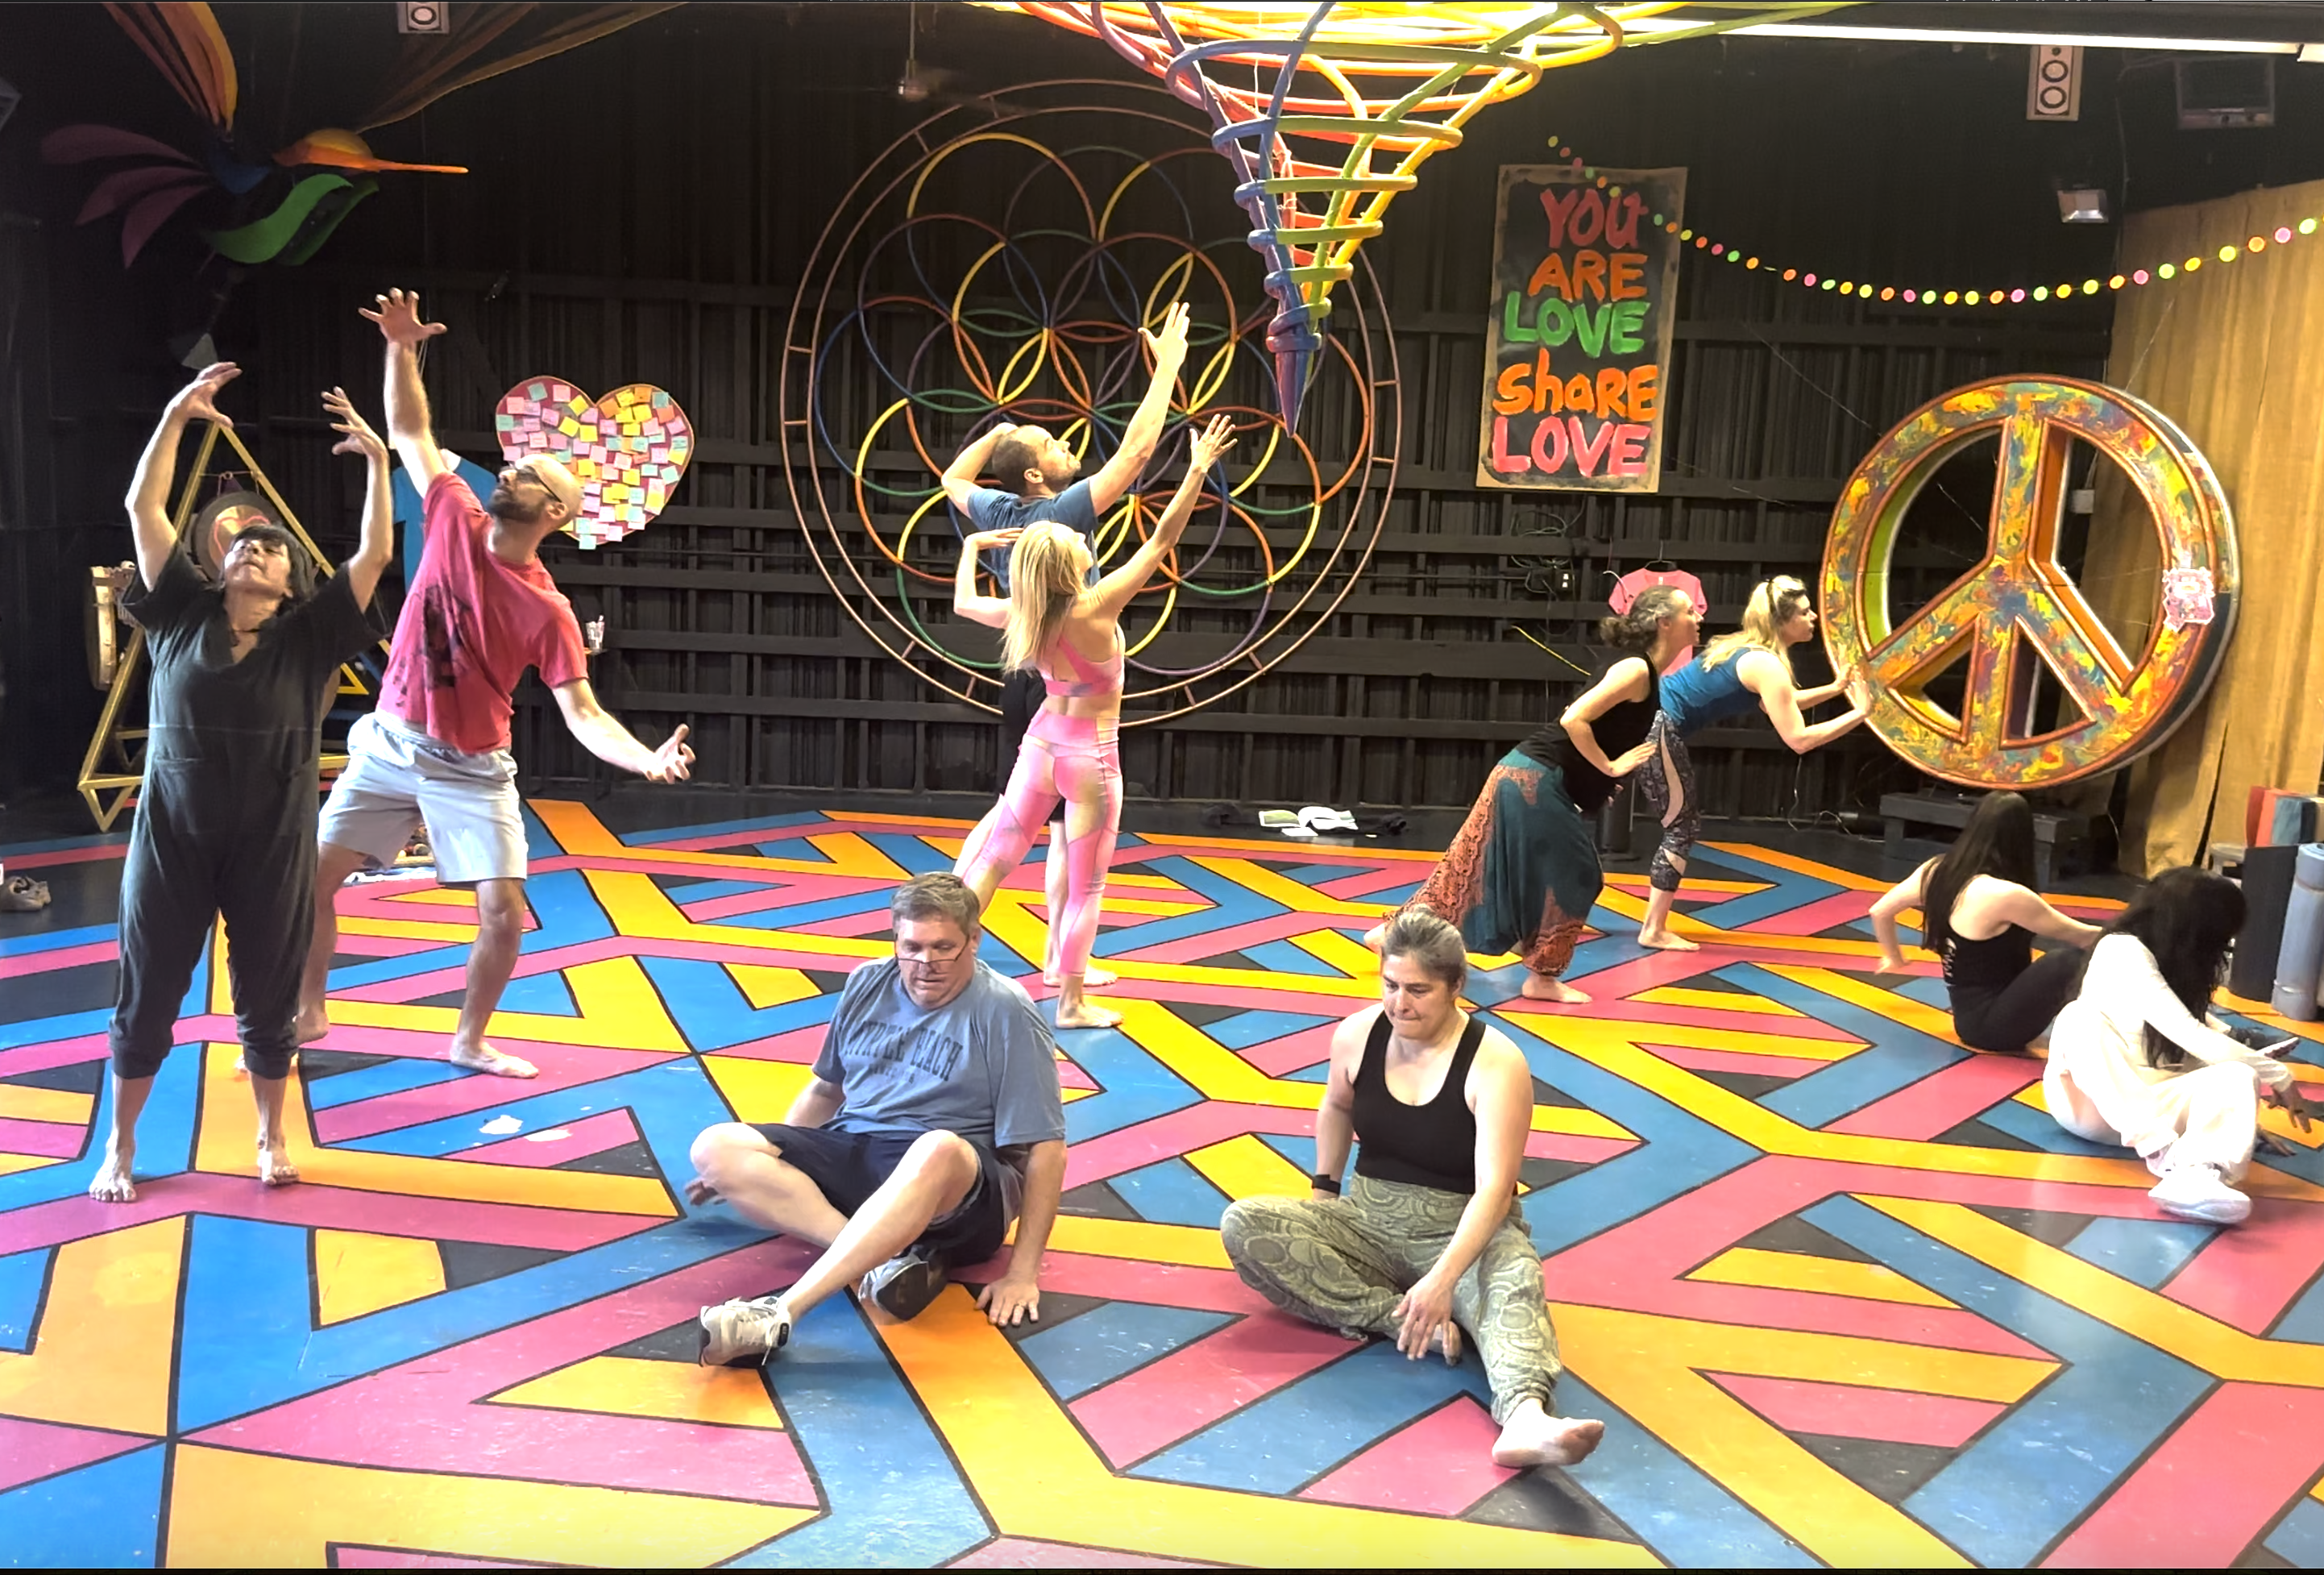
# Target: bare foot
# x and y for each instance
(274, 1166)
(314, 1022)
(1088, 1016)
(112, 1184)
(1542, 987)
(1375, 935)
(485, 1058)
(1096, 979)
(1665, 941)
(1534, 1438)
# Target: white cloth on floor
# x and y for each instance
(2099, 1085)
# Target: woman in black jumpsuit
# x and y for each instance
(225, 820)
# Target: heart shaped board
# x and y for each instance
(627, 449)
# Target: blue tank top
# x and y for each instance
(1695, 696)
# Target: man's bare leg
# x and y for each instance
(738, 1164)
(112, 1184)
(499, 934)
(333, 865)
(937, 1171)
(274, 1166)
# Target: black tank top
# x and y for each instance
(1424, 1145)
(1990, 964)
(1623, 728)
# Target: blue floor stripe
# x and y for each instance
(106, 1516)
(1106, 1342)
(2145, 1252)
(1171, 1192)
(2299, 1538)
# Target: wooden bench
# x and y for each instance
(1949, 809)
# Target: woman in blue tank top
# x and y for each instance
(1735, 673)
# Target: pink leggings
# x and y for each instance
(1062, 756)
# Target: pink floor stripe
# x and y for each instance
(54, 1140)
(1197, 949)
(63, 957)
(563, 1066)
(1766, 1023)
(1283, 852)
(1943, 1099)
(1027, 1553)
(784, 892)
(1440, 1465)
(1130, 1280)
(1814, 918)
(399, 1418)
(1277, 996)
(54, 857)
(2210, 1489)
(1180, 1132)
(350, 945)
(798, 1044)
(2247, 1276)
(1850, 1410)
(1361, 887)
(1196, 1385)
(59, 1052)
(74, 1218)
(1735, 1061)
(30, 1451)
(591, 1134)
(346, 1557)
(1293, 1051)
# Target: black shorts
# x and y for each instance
(848, 1167)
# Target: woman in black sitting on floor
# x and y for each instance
(1980, 914)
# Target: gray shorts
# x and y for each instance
(398, 778)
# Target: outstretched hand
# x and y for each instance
(674, 761)
(356, 436)
(1860, 692)
(1212, 442)
(197, 400)
(398, 320)
(1170, 344)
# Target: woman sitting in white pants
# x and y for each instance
(2136, 1060)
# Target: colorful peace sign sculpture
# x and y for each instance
(2019, 606)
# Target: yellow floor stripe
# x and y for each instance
(1245, 1167)
(1714, 1001)
(1749, 1265)
(665, 1391)
(357, 1273)
(20, 1103)
(102, 1353)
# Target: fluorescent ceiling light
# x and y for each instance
(2234, 46)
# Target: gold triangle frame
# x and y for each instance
(110, 774)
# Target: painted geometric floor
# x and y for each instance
(1840, 1291)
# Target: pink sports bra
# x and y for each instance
(1104, 677)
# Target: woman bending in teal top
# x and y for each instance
(1735, 673)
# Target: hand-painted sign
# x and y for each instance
(1578, 347)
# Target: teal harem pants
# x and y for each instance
(1345, 1264)
(1523, 873)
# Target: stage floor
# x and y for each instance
(1841, 1290)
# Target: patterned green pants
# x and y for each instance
(1345, 1264)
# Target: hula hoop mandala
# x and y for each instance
(992, 266)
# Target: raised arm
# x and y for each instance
(1625, 681)
(149, 490)
(1114, 591)
(378, 544)
(1119, 474)
(409, 427)
(1500, 1089)
(602, 736)
(1769, 676)
(992, 611)
(1905, 894)
(960, 476)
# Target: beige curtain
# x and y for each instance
(2234, 354)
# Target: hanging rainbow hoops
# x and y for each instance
(985, 269)
(1362, 93)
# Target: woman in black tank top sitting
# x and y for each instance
(1429, 1238)
(1522, 874)
(1980, 914)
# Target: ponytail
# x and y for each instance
(1774, 603)
(1634, 630)
(1043, 578)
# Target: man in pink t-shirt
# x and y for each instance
(480, 611)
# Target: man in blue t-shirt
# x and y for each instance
(932, 1120)
(1037, 470)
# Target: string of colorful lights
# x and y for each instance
(2014, 295)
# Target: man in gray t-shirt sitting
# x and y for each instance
(933, 1119)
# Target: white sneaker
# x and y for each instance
(2199, 1192)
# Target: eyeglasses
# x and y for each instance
(942, 951)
